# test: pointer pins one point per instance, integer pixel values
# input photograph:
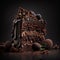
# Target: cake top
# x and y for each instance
(30, 20)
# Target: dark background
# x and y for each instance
(48, 9)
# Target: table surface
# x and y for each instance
(52, 55)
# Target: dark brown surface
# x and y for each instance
(51, 55)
